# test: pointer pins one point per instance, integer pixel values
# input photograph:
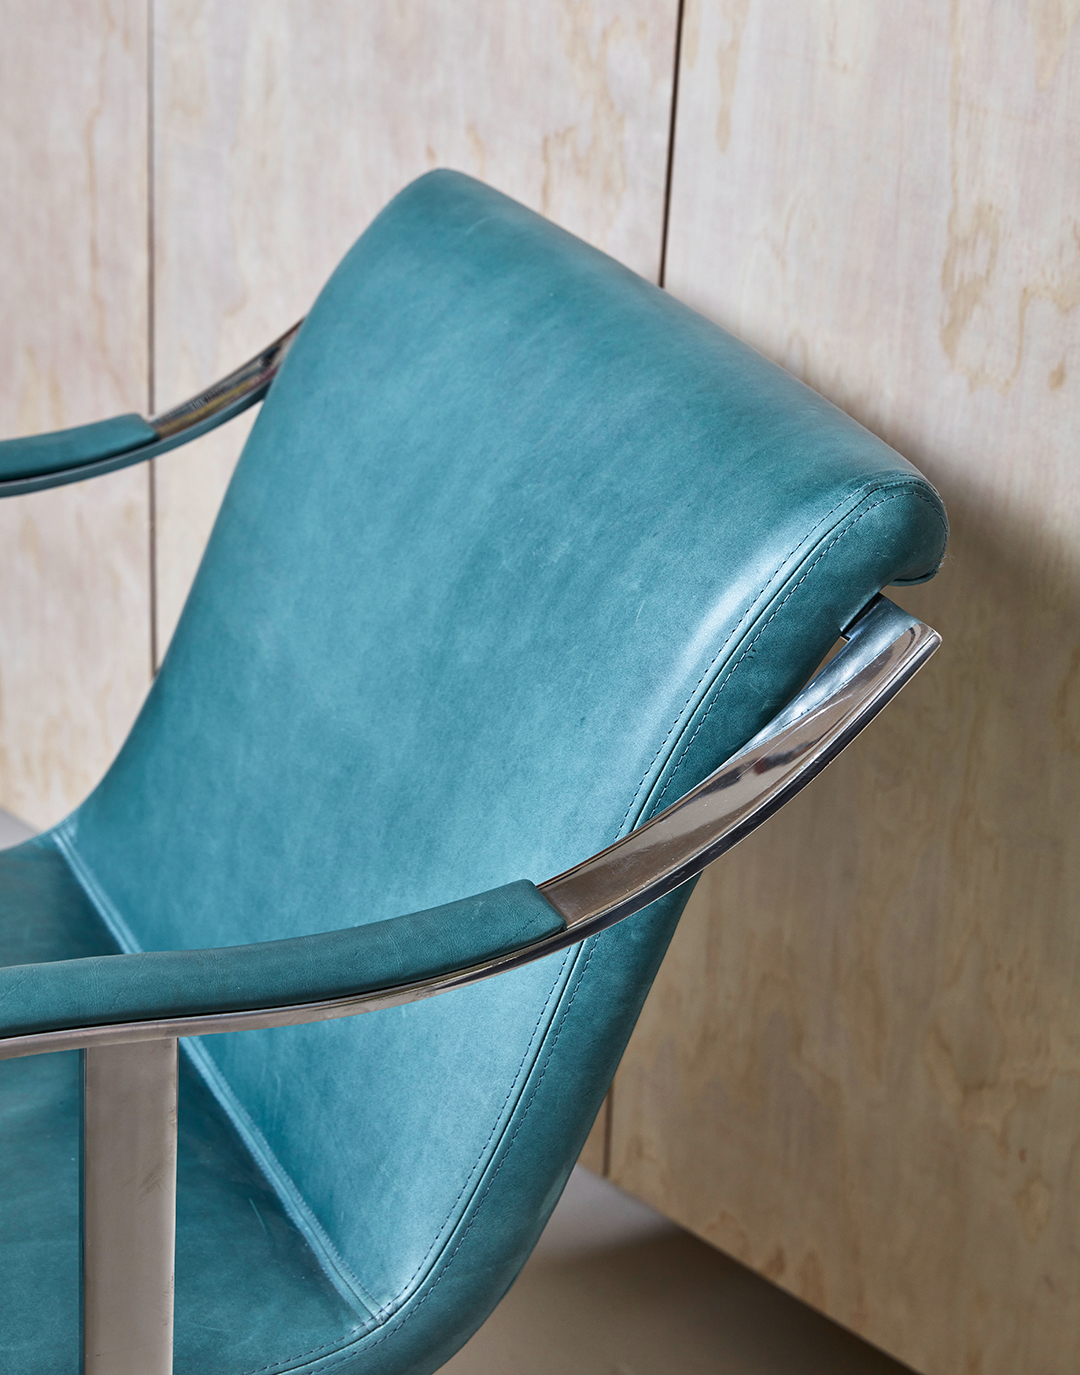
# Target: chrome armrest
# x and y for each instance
(163, 985)
(51, 460)
(885, 647)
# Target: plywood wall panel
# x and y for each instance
(74, 563)
(282, 130)
(860, 1068)
(594, 1154)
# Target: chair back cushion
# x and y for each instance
(519, 549)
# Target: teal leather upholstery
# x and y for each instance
(518, 551)
(41, 454)
(173, 983)
(229, 1218)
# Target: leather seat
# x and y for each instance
(249, 1287)
(519, 550)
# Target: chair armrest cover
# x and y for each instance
(41, 454)
(50, 460)
(107, 989)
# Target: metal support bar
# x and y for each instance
(222, 400)
(129, 1207)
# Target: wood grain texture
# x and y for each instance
(282, 130)
(74, 585)
(859, 1070)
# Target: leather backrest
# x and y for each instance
(519, 549)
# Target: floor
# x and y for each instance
(615, 1289)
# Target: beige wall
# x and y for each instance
(75, 579)
(860, 1068)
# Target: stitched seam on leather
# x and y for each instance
(277, 1176)
(747, 615)
(907, 490)
(491, 1182)
(566, 1011)
(386, 1310)
(88, 881)
(284, 1366)
(896, 496)
(329, 1259)
(388, 1307)
(338, 1271)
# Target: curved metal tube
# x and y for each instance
(233, 394)
(885, 648)
(220, 402)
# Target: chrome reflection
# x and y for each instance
(217, 404)
(229, 396)
(812, 730)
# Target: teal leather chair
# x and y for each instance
(520, 553)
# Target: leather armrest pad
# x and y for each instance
(106, 989)
(64, 449)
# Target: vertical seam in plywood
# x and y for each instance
(608, 1109)
(677, 60)
(151, 371)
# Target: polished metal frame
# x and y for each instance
(226, 398)
(129, 1207)
(218, 403)
(129, 1155)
